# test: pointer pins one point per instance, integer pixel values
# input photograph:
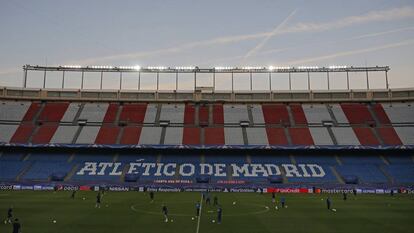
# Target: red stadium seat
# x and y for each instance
(276, 114)
(218, 114)
(357, 113)
(44, 133)
(31, 112)
(189, 113)
(276, 136)
(203, 114)
(389, 136)
(365, 136)
(110, 115)
(22, 133)
(301, 136)
(191, 136)
(107, 134)
(53, 112)
(131, 135)
(214, 136)
(381, 115)
(133, 113)
(298, 114)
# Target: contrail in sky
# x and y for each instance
(370, 17)
(270, 35)
(278, 50)
(351, 52)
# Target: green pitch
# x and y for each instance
(126, 212)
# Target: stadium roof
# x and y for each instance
(184, 69)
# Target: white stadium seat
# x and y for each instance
(94, 112)
(345, 136)
(173, 113)
(64, 134)
(233, 136)
(399, 112)
(339, 114)
(13, 111)
(257, 114)
(233, 114)
(406, 134)
(150, 135)
(150, 114)
(316, 113)
(7, 132)
(173, 136)
(320, 136)
(88, 135)
(71, 112)
(257, 136)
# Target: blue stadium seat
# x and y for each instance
(328, 178)
(275, 159)
(127, 158)
(396, 159)
(402, 173)
(367, 173)
(49, 157)
(12, 156)
(193, 158)
(9, 170)
(42, 170)
(318, 159)
(93, 157)
(360, 159)
(227, 159)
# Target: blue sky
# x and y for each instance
(207, 34)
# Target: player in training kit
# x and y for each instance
(273, 197)
(328, 203)
(198, 207)
(152, 196)
(283, 201)
(9, 216)
(215, 201)
(165, 212)
(17, 228)
(219, 214)
(208, 201)
(345, 196)
(98, 200)
(72, 196)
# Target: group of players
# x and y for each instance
(206, 199)
(205, 196)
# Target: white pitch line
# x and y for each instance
(199, 216)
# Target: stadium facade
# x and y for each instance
(186, 140)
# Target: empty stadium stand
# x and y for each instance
(229, 142)
(13, 110)
(240, 166)
(344, 124)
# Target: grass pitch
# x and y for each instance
(126, 212)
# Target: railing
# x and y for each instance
(199, 96)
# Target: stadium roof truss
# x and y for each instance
(195, 72)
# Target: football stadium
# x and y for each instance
(332, 156)
(214, 116)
